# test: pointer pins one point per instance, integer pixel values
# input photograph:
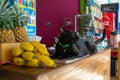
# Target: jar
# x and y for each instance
(114, 39)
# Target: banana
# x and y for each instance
(46, 60)
(17, 51)
(27, 46)
(42, 49)
(33, 63)
(18, 61)
(37, 54)
(28, 55)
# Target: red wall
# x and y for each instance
(54, 11)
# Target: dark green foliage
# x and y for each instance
(20, 19)
(11, 15)
(6, 15)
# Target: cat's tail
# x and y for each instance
(101, 39)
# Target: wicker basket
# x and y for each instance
(5, 51)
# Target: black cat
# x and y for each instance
(70, 45)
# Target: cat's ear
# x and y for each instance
(62, 29)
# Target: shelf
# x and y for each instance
(31, 24)
(22, 6)
(86, 23)
(84, 16)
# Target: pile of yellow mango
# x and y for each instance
(32, 54)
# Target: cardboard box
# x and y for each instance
(5, 51)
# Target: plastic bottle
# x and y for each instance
(114, 39)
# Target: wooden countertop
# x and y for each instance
(95, 67)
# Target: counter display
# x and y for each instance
(95, 67)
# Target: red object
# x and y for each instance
(114, 54)
(108, 19)
(32, 3)
(20, 1)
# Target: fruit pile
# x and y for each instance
(31, 54)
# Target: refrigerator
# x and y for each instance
(108, 19)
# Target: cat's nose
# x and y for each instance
(77, 38)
